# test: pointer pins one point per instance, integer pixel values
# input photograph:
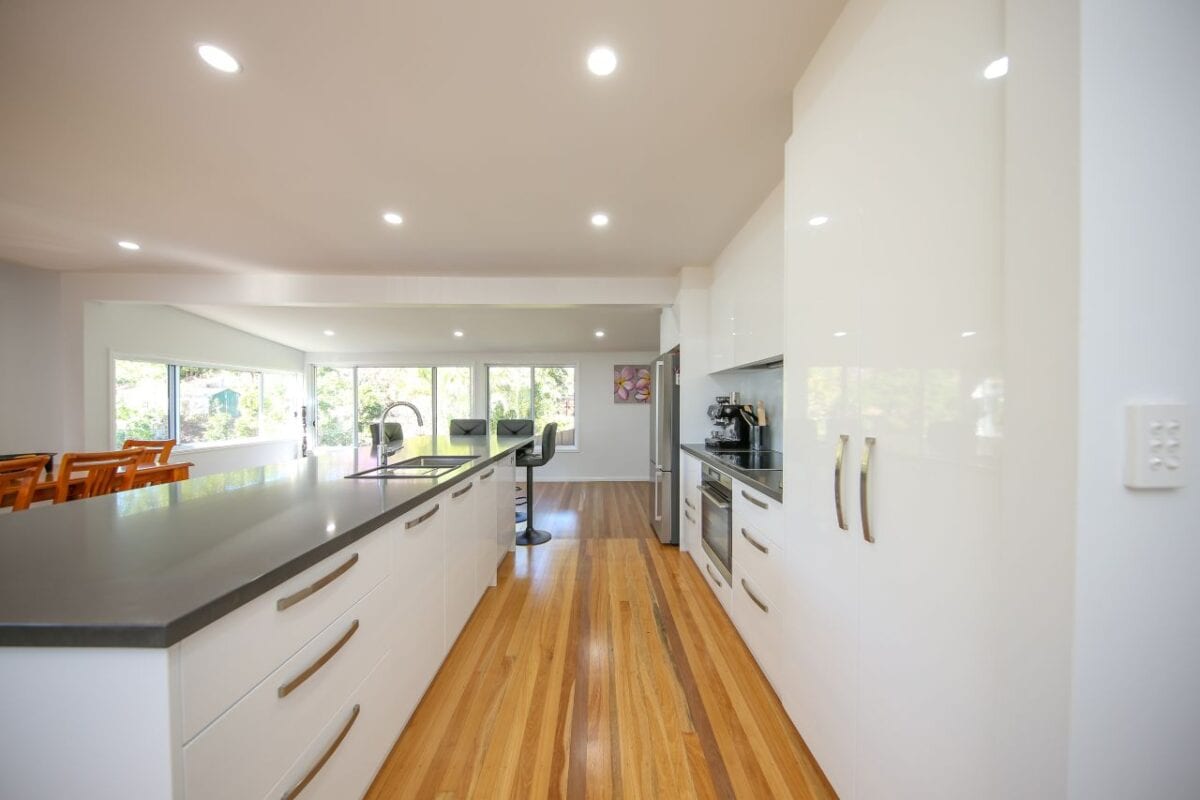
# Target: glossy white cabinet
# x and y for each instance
(894, 308)
(462, 553)
(420, 620)
(689, 511)
(506, 509)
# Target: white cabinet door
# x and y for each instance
(758, 306)
(821, 404)
(690, 504)
(462, 543)
(490, 481)
(506, 510)
(420, 600)
(722, 323)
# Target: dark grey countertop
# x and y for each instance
(769, 482)
(148, 567)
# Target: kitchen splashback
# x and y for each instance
(759, 384)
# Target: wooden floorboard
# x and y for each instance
(600, 666)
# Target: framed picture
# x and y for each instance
(631, 383)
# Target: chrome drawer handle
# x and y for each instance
(754, 597)
(296, 682)
(837, 482)
(688, 503)
(463, 490)
(754, 500)
(753, 541)
(312, 773)
(713, 575)
(412, 523)
(285, 603)
(863, 483)
(689, 517)
(487, 474)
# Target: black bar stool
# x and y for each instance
(468, 427)
(516, 427)
(529, 460)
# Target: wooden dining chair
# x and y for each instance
(102, 473)
(158, 451)
(18, 477)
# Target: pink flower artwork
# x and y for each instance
(631, 384)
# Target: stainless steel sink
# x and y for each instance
(417, 467)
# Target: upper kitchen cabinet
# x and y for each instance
(746, 295)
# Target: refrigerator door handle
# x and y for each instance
(656, 389)
(658, 473)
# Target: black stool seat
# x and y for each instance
(528, 459)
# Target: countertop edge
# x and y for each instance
(156, 636)
(704, 455)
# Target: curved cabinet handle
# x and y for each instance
(713, 575)
(837, 482)
(463, 490)
(285, 603)
(297, 681)
(412, 523)
(753, 597)
(689, 517)
(762, 547)
(864, 477)
(688, 503)
(295, 791)
(487, 474)
(754, 499)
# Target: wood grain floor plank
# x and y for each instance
(600, 666)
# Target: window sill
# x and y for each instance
(204, 447)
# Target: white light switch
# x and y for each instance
(1154, 447)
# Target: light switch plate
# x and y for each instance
(1155, 450)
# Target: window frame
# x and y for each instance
(533, 367)
(173, 364)
(311, 376)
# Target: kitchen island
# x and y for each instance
(249, 634)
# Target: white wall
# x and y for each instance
(31, 407)
(162, 332)
(614, 439)
(1135, 717)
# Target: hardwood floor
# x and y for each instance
(600, 666)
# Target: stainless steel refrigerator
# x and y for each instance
(664, 447)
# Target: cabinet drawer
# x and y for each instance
(713, 577)
(757, 619)
(343, 759)
(753, 508)
(220, 663)
(245, 751)
(758, 557)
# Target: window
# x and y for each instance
(350, 399)
(202, 404)
(544, 394)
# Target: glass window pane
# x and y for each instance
(508, 394)
(217, 405)
(555, 401)
(335, 407)
(141, 396)
(378, 386)
(453, 396)
(281, 405)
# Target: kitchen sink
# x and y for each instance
(417, 467)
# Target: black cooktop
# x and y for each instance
(750, 459)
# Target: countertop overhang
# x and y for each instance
(769, 482)
(148, 567)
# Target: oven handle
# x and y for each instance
(712, 498)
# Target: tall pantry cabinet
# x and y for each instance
(893, 343)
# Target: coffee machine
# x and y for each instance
(732, 431)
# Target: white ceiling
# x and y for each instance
(430, 329)
(476, 120)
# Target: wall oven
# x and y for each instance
(716, 519)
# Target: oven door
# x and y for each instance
(716, 530)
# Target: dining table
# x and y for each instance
(147, 475)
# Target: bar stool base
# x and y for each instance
(532, 536)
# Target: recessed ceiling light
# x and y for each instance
(218, 59)
(392, 218)
(839, 334)
(968, 334)
(602, 61)
(330, 527)
(600, 219)
(328, 332)
(599, 334)
(127, 245)
(458, 334)
(818, 221)
(996, 69)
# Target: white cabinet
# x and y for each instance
(420, 619)
(462, 553)
(689, 506)
(758, 577)
(894, 309)
(506, 508)
(486, 510)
